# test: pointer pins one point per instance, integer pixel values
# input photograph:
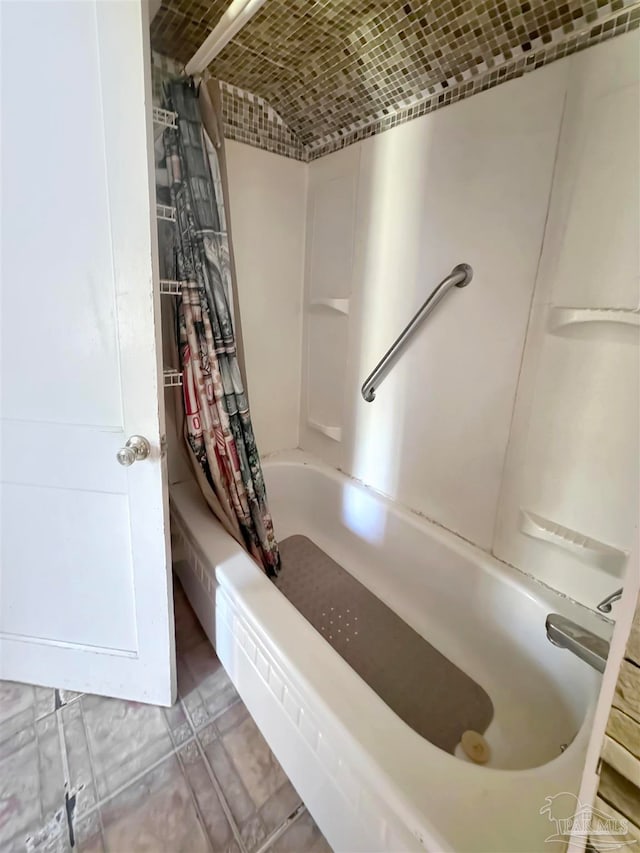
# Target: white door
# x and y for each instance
(85, 592)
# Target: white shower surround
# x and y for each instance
(369, 780)
(382, 225)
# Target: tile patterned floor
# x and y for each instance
(95, 775)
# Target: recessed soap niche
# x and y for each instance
(598, 324)
(331, 303)
(332, 226)
(599, 554)
(332, 203)
(327, 336)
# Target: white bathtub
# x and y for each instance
(368, 779)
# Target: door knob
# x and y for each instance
(136, 449)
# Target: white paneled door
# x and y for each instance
(85, 592)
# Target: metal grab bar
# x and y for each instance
(460, 276)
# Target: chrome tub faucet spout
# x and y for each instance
(579, 641)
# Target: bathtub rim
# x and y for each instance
(542, 594)
(239, 574)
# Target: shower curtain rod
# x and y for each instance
(237, 14)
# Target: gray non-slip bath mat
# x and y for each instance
(426, 690)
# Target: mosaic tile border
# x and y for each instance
(327, 65)
(250, 119)
(614, 25)
(162, 68)
(247, 117)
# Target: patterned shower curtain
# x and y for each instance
(218, 426)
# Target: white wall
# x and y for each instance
(268, 202)
(388, 218)
(570, 508)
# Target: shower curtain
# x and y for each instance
(217, 423)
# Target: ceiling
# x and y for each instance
(328, 65)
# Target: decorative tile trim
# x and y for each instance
(246, 117)
(162, 69)
(329, 67)
(614, 25)
(251, 119)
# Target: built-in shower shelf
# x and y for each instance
(333, 432)
(169, 287)
(339, 304)
(166, 118)
(565, 321)
(172, 377)
(163, 211)
(591, 551)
